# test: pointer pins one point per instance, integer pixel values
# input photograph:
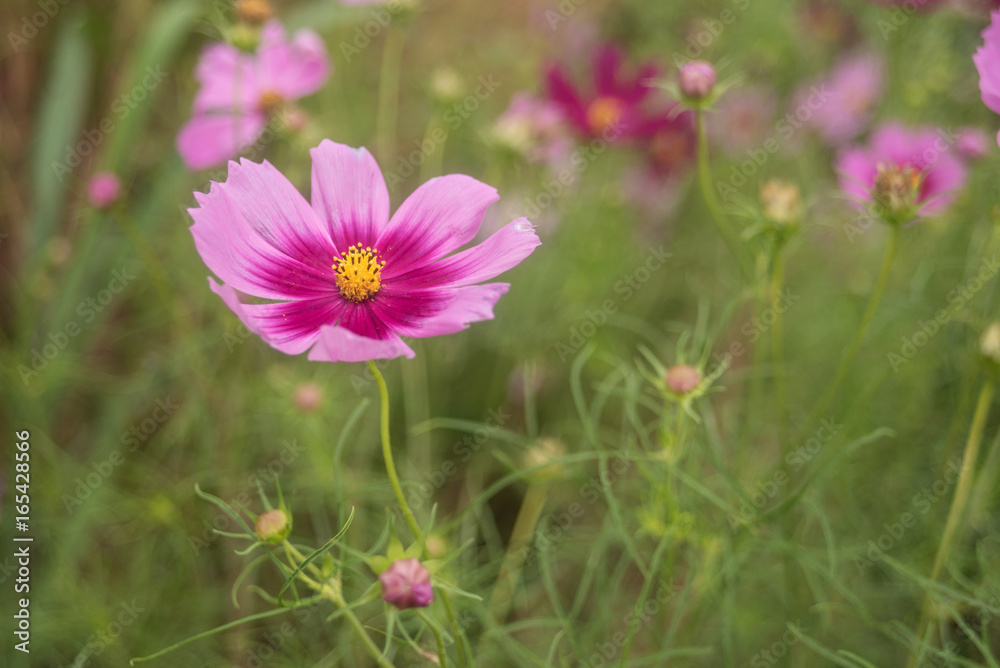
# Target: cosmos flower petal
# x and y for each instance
(607, 63)
(442, 215)
(338, 344)
(565, 95)
(226, 78)
(294, 69)
(209, 140)
(258, 234)
(349, 194)
(856, 171)
(470, 304)
(498, 253)
(987, 60)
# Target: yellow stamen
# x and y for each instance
(269, 101)
(359, 273)
(604, 112)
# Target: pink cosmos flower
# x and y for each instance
(987, 60)
(407, 584)
(345, 280)
(912, 163)
(972, 144)
(615, 108)
(744, 118)
(240, 92)
(854, 88)
(103, 190)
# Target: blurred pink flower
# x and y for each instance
(536, 129)
(853, 88)
(407, 584)
(345, 279)
(920, 157)
(654, 195)
(918, 5)
(615, 106)
(240, 92)
(972, 144)
(744, 117)
(987, 60)
(103, 190)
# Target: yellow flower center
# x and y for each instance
(604, 112)
(359, 273)
(270, 101)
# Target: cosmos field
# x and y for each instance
(537, 333)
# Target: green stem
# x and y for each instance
(956, 515)
(388, 94)
(705, 180)
(411, 521)
(390, 466)
(510, 570)
(777, 341)
(852, 350)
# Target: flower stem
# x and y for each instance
(705, 180)
(411, 521)
(956, 515)
(390, 466)
(852, 350)
(388, 93)
(777, 340)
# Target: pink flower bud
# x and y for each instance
(272, 526)
(682, 378)
(308, 397)
(407, 584)
(697, 79)
(103, 190)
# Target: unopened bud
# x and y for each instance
(697, 79)
(273, 526)
(446, 85)
(544, 452)
(103, 190)
(896, 191)
(989, 343)
(407, 584)
(308, 397)
(781, 202)
(682, 378)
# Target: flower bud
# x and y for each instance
(446, 85)
(407, 584)
(989, 343)
(682, 378)
(896, 191)
(308, 397)
(543, 452)
(253, 12)
(781, 202)
(273, 526)
(972, 143)
(697, 79)
(103, 190)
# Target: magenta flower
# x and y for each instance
(987, 60)
(241, 92)
(407, 584)
(345, 279)
(904, 169)
(615, 109)
(853, 89)
(103, 190)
